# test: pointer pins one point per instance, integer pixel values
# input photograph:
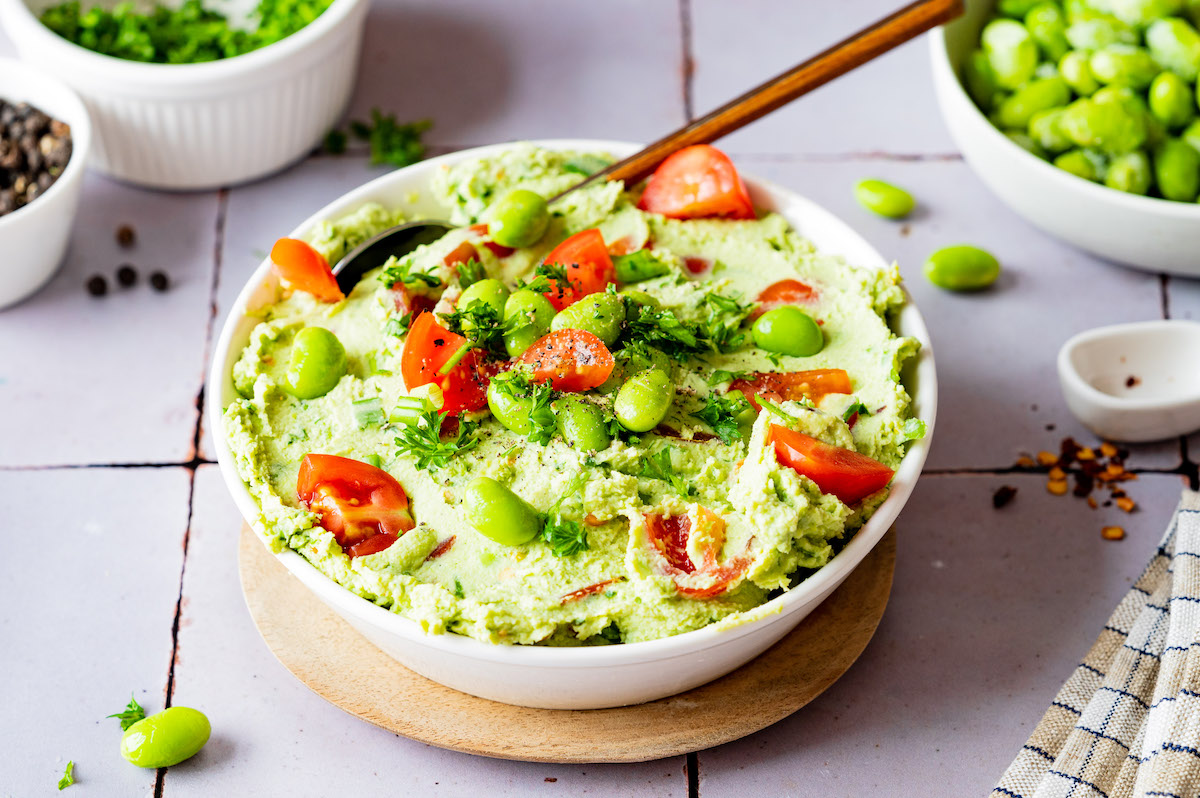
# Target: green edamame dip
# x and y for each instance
(527, 448)
(1105, 91)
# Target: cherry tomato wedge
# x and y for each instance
(784, 292)
(697, 182)
(364, 507)
(669, 534)
(461, 254)
(814, 384)
(305, 269)
(572, 360)
(848, 475)
(499, 250)
(427, 348)
(589, 267)
(407, 302)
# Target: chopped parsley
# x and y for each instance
(658, 466)
(565, 537)
(719, 331)
(856, 409)
(914, 429)
(515, 384)
(132, 713)
(398, 325)
(187, 34)
(390, 141)
(458, 590)
(335, 142)
(423, 440)
(723, 325)
(68, 776)
(480, 324)
(470, 272)
(368, 412)
(725, 414)
(612, 632)
(397, 272)
(722, 376)
(547, 277)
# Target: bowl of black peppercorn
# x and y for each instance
(45, 135)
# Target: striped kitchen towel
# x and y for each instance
(1127, 722)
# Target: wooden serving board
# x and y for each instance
(339, 665)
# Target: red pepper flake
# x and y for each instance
(584, 592)
(441, 548)
(1003, 495)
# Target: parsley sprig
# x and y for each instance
(132, 713)
(726, 414)
(68, 776)
(390, 141)
(658, 466)
(516, 385)
(719, 330)
(855, 409)
(547, 277)
(565, 537)
(423, 440)
(479, 323)
(470, 272)
(397, 271)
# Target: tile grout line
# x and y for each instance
(192, 465)
(160, 777)
(692, 766)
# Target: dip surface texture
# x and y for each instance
(757, 526)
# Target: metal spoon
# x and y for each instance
(907, 23)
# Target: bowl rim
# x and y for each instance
(947, 71)
(77, 57)
(351, 605)
(81, 136)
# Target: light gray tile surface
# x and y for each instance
(990, 609)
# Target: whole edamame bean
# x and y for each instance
(1036, 95)
(962, 268)
(533, 314)
(640, 299)
(1075, 71)
(1099, 31)
(581, 424)
(1106, 121)
(788, 331)
(490, 292)
(1025, 142)
(166, 738)
(1047, 25)
(602, 314)
(1016, 8)
(1177, 170)
(1175, 44)
(638, 266)
(1129, 172)
(1143, 12)
(1085, 163)
(518, 219)
(1011, 52)
(883, 198)
(635, 361)
(509, 408)
(1171, 100)
(643, 401)
(1191, 134)
(1124, 65)
(498, 513)
(316, 363)
(1045, 128)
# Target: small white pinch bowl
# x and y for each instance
(196, 126)
(33, 238)
(1134, 382)
(1143, 232)
(590, 677)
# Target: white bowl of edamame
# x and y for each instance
(588, 677)
(1106, 198)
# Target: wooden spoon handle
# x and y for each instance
(900, 27)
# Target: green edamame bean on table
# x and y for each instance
(962, 268)
(788, 331)
(316, 363)
(498, 513)
(530, 314)
(883, 198)
(644, 400)
(166, 738)
(518, 219)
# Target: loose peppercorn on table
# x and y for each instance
(124, 550)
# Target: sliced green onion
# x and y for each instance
(408, 410)
(368, 412)
(455, 359)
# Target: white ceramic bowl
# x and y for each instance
(575, 678)
(192, 126)
(1145, 232)
(33, 239)
(1134, 382)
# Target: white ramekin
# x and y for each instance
(1145, 232)
(33, 239)
(193, 126)
(593, 677)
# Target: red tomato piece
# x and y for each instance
(589, 268)
(427, 348)
(461, 254)
(590, 590)
(784, 292)
(572, 360)
(814, 384)
(697, 266)
(364, 507)
(848, 475)
(305, 269)
(407, 302)
(499, 250)
(669, 534)
(697, 182)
